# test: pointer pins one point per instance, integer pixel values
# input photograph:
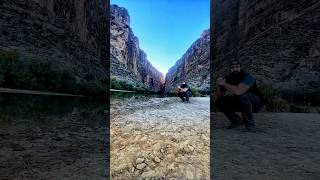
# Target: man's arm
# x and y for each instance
(219, 92)
(183, 89)
(237, 90)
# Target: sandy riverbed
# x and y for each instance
(286, 146)
(160, 138)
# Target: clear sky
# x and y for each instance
(166, 28)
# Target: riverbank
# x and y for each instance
(160, 138)
(22, 91)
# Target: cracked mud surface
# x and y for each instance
(160, 138)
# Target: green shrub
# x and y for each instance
(195, 92)
(277, 104)
(274, 100)
(38, 73)
(122, 85)
(269, 92)
(8, 60)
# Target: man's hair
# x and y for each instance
(234, 62)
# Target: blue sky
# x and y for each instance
(166, 28)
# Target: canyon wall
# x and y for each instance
(69, 36)
(193, 67)
(277, 41)
(128, 62)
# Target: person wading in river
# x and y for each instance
(184, 91)
(244, 96)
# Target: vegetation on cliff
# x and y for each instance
(37, 73)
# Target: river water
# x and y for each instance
(52, 137)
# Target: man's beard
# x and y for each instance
(235, 72)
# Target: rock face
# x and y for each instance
(277, 41)
(128, 62)
(193, 66)
(71, 34)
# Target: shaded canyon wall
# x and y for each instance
(69, 35)
(277, 41)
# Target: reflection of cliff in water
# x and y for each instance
(45, 137)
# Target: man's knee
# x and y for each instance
(245, 98)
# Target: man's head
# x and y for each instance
(235, 66)
(182, 81)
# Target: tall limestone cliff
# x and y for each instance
(69, 37)
(128, 62)
(277, 41)
(193, 67)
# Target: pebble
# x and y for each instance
(156, 159)
(140, 160)
(191, 148)
(189, 172)
(138, 132)
(204, 137)
(122, 147)
(141, 166)
(147, 174)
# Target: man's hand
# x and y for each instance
(219, 92)
(181, 89)
(221, 81)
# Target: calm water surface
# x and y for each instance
(52, 137)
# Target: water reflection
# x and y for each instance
(52, 137)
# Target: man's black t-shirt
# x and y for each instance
(245, 78)
(185, 86)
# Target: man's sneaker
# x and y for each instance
(235, 125)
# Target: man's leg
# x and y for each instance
(187, 94)
(180, 94)
(249, 103)
(226, 106)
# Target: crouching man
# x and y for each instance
(184, 92)
(244, 97)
